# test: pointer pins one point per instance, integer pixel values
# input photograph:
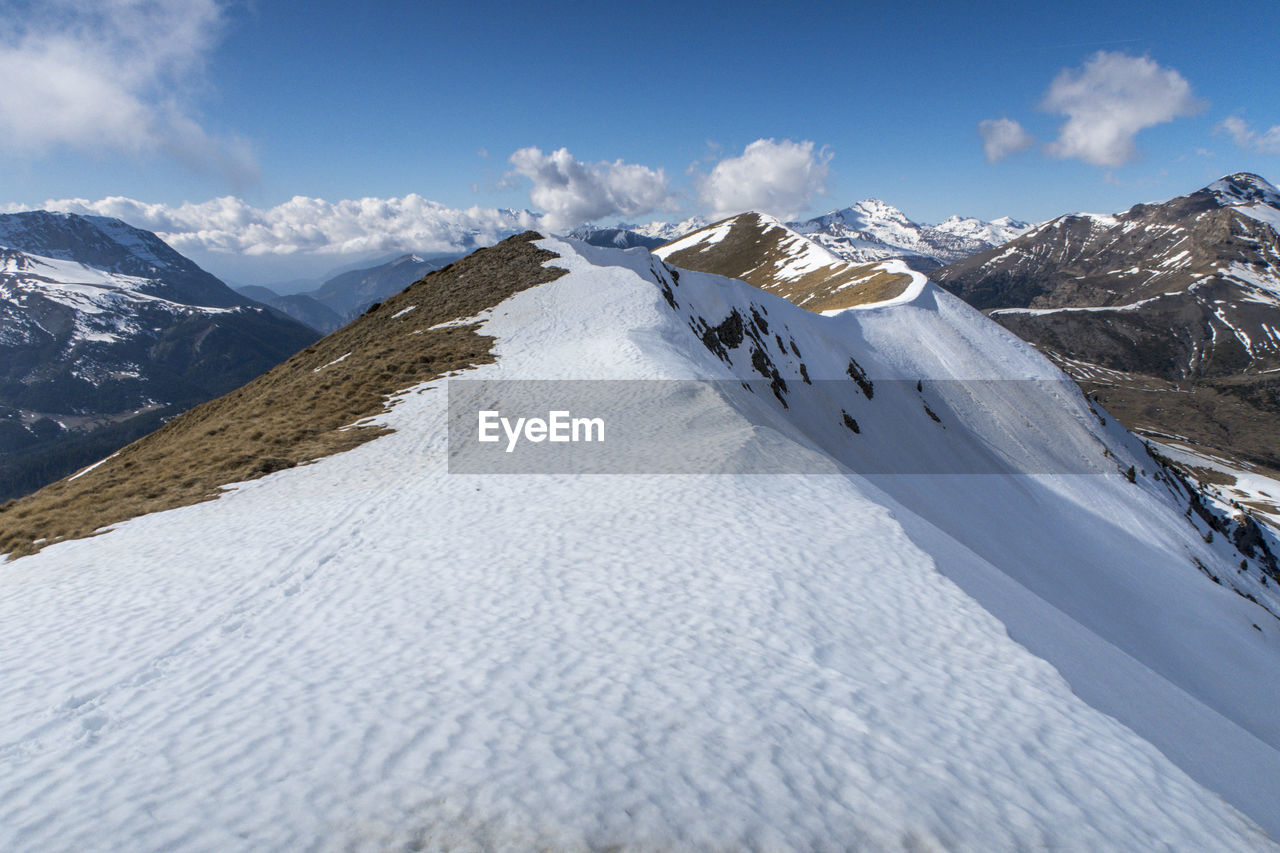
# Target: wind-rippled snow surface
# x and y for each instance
(369, 653)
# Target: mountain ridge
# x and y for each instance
(328, 603)
(1180, 297)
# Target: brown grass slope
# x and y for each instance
(752, 253)
(300, 411)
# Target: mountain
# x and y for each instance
(615, 238)
(872, 230)
(105, 331)
(1168, 312)
(882, 580)
(350, 294)
(345, 295)
(668, 231)
(760, 250)
(306, 309)
(114, 248)
(257, 292)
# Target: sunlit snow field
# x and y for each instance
(368, 652)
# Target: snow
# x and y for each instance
(1250, 195)
(337, 360)
(1260, 286)
(707, 238)
(910, 293)
(1130, 306)
(370, 653)
(105, 303)
(872, 230)
(667, 230)
(56, 272)
(84, 471)
(1249, 487)
(403, 311)
(995, 232)
(1264, 213)
(799, 256)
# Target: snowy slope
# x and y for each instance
(369, 652)
(105, 306)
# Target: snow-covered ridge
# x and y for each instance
(758, 249)
(798, 256)
(373, 653)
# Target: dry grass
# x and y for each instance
(299, 411)
(859, 284)
(747, 254)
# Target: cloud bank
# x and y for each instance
(572, 192)
(1002, 137)
(1264, 142)
(1111, 99)
(230, 225)
(776, 177)
(779, 177)
(112, 75)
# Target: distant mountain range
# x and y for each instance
(868, 231)
(872, 230)
(347, 295)
(106, 331)
(1169, 312)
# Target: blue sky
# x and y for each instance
(266, 101)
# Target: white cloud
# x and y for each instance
(1109, 100)
(572, 192)
(112, 75)
(304, 225)
(775, 177)
(1002, 137)
(1265, 142)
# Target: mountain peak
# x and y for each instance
(1245, 188)
(113, 246)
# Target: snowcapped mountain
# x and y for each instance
(629, 235)
(760, 250)
(111, 247)
(872, 230)
(996, 232)
(615, 238)
(667, 231)
(964, 610)
(104, 331)
(1170, 311)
